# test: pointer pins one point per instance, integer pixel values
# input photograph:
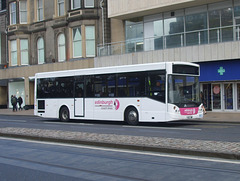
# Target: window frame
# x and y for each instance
(40, 10)
(90, 40)
(72, 4)
(11, 13)
(13, 52)
(61, 46)
(21, 12)
(39, 50)
(91, 6)
(59, 4)
(76, 41)
(24, 51)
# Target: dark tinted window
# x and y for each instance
(89, 83)
(185, 69)
(131, 84)
(157, 85)
(61, 87)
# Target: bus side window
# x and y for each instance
(111, 85)
(89, 86)
(122, 86)
(156, 83)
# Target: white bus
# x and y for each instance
(156, 92)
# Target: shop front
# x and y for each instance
(220, 84)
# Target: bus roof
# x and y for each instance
(112, 69)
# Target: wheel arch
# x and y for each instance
(129, 107)
(61, 107)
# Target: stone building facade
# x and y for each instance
(47, 35)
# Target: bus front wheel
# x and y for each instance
(131, 116)
(64, 114)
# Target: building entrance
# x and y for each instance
(222, 96)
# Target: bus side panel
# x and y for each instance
(52, 107)
(109, 108)
(88, 110)
(153, 110)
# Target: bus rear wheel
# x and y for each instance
(131, 116)
(64, 114)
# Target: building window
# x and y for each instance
(174, 29)
(40, 49)
(61, 48)
(61, 8)
(0, 48)
(40, 10)
(77, 42)
(24, 51)
(13, 49)
(89, 3)
(90, 41)
(134, 35)
(23, 11)
(12, 8)
(76, 4)
(3, 5)
(196, 26)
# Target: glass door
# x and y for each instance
(216, 97)
(228, 96)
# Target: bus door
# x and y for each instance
(79, 105)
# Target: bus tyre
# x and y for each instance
(131, 116)
(64, 114)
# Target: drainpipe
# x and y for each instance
(101, 6)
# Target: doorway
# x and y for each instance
(79, 99)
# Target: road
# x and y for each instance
(182, 129)
(30, 160)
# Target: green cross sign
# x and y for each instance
(221, 70)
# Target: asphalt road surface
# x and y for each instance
(196, 130)
(40, 161)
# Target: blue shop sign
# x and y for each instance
(220, 71)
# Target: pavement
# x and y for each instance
(218, 149)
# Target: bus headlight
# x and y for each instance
(176, 109)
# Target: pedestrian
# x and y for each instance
(20, 101)
(203, 102)
(14, 102)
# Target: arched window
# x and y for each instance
(40, 49)
(61, 48)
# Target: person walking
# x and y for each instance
(20, 101)
(14, 102)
